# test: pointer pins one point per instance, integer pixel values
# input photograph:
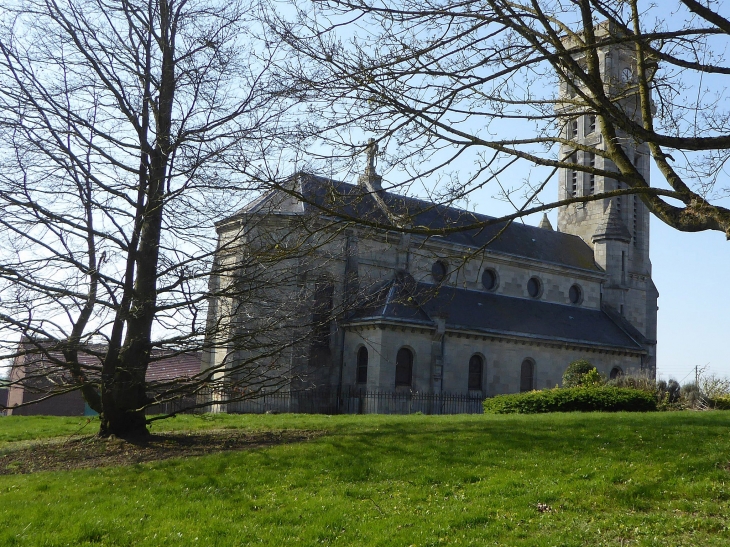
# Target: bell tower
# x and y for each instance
(617, 228)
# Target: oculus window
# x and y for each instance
(575, 294)
(534, 287)
(489, 279)
(439, 271)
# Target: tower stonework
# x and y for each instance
(618, 228)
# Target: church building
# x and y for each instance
(357, 303)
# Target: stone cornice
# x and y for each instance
(493, 336)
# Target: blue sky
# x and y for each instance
(691, 273)
(690, 270)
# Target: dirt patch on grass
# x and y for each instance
(92, 451)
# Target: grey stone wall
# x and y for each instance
(502, 357)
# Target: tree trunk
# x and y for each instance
(126, 398)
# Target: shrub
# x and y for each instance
(592, 378)
(713, 386)
(573, 375)
(673, 391)
(668, 395)
(643, 383)
(721, 403)
(582, 399)
(690, 395)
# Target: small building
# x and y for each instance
(3, 400)
(40, 384)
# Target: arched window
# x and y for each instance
(615, 373)
(403, 367)
(527, 375)
(362, 365)
(476, 369)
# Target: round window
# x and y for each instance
(438, 271)
(534, 287)
(575, 294)
(489, 279)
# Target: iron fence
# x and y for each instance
(384, 402)
(314, 401)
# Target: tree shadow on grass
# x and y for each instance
(93, 451)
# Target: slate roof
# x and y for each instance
(409, 302)
(335, 199)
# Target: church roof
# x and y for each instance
(335, 199)
(404, 300)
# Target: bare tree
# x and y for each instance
(127, 130)
(470, 94)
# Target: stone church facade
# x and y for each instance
(465, 308)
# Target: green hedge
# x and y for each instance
(721, 403)
(582, 399)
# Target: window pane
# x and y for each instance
(475, 372)
(575, 294)
(362, 366)
(438, 271)
(403, 367)
(489, 279)
(526, 375)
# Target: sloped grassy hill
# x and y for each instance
(545, 480)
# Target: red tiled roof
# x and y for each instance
(183, 365)
(160, 369)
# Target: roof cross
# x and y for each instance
(372, 151)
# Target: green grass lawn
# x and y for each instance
(608, 479)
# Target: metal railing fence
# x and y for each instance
(318, 401)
